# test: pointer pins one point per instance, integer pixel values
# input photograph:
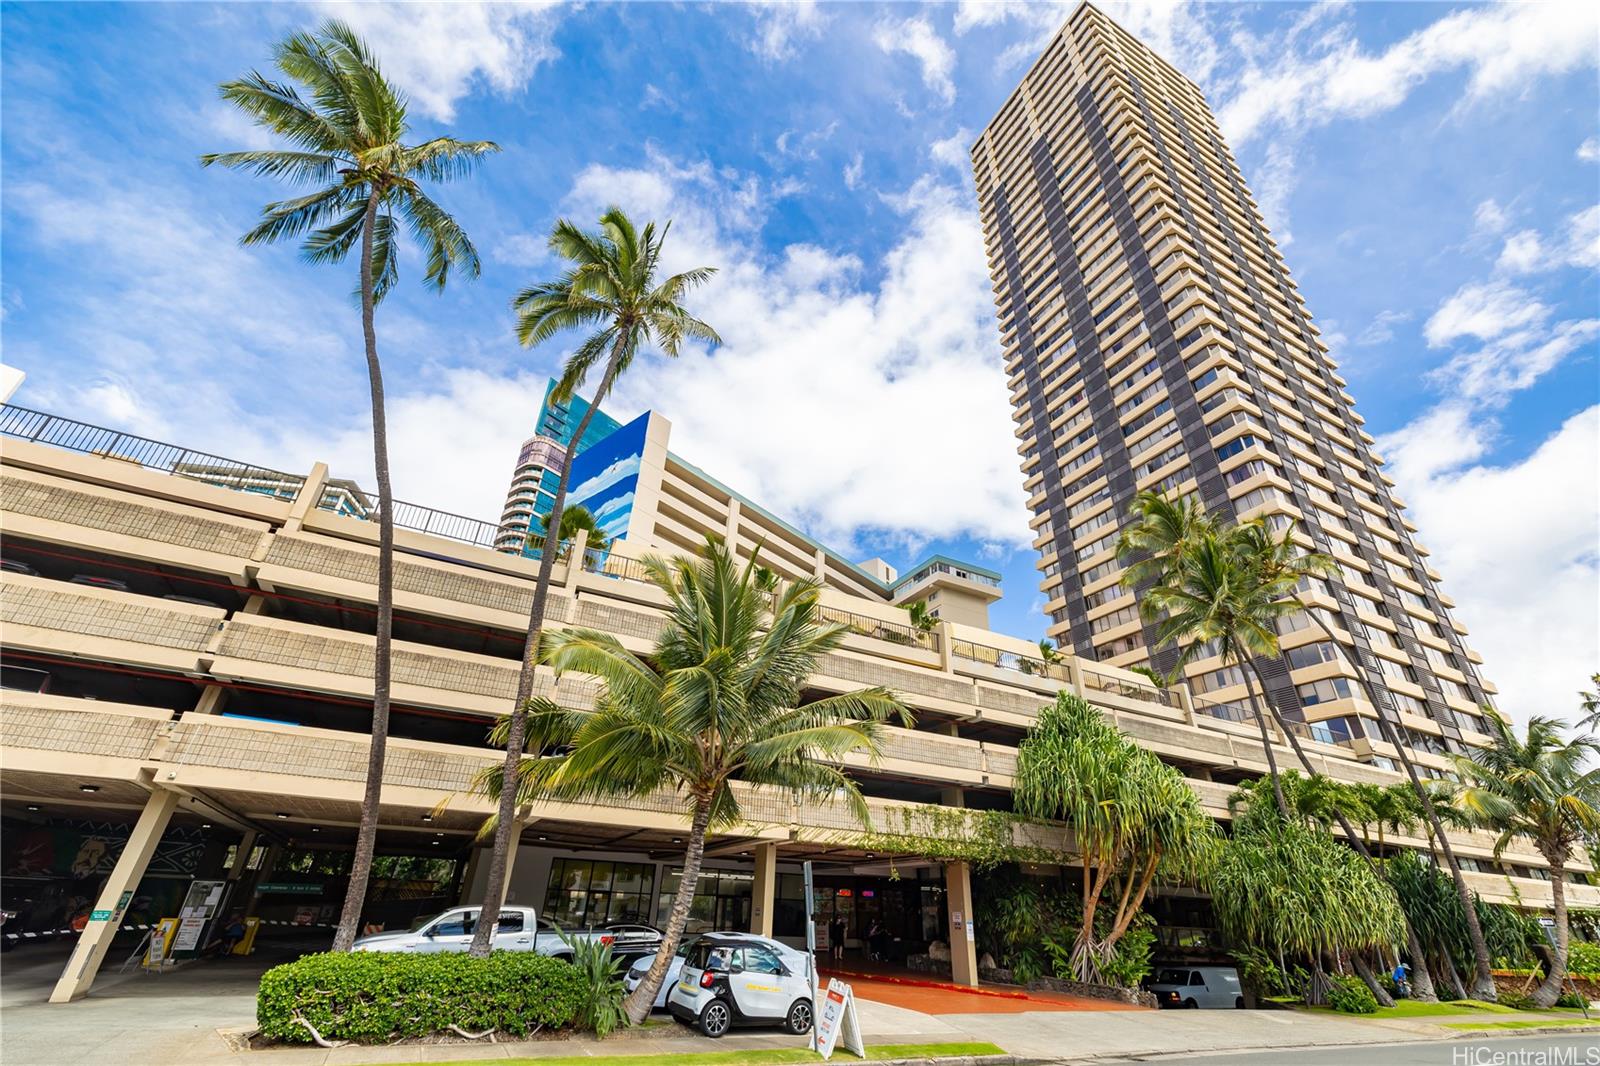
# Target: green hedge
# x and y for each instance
(376, 997)
(1350, 995)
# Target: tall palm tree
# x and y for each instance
(1205, 600)
(574, 520)
(1536, 786)
(612, 288)
(1286, 567)
(717, 701)
(347, 141)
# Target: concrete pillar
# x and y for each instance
(580, 547)
(963, 948)
(469, 877)
(945, 638)
(241, 857)
(269, 864)
(212, 698)
(730, 531)
(511, 859)
(953, 796)
(764, 893)
(820, 565)
(95, 940)
(306, 500)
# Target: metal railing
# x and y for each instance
(1097, 682)
(1237, 711)
(893, 632)
(610, 564)
(1227, 712)
(1009, 660)
(26, 424)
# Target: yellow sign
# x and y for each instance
(160, 943)
(247, 943)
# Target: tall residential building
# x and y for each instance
(1154, 340)
(533, 483)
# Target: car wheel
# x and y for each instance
(715, 1019)
(799, 1020)
(1190, 1004)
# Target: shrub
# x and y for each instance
(376, 997)
(1515, 1000)
(1572, 999)
(600, 971)
(1583, 956)
(1349, 995)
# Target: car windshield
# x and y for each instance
(1173, 977)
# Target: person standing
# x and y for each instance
(836, 929)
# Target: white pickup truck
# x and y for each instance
(521, 929)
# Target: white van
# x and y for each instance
(1197, 986)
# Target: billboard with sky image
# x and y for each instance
(605, 476)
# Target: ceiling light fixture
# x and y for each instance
(282, 814)
(88, 788)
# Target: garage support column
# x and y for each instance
(469, 878)
(765, 890)
(95, 940)
(517, 826)
(963, 951)
(269, 865)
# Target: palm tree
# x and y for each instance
(574, 520)
(347, 142)
(1535, 786)
(1206, 599)
(718, 701)
(1589, 702)
(1285, 568)
(922, 619)
(612, 287)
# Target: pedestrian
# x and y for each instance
(836, 938)
(1402, 986)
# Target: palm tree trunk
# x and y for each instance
(516, 734)
(1421, 977)
(1363, 971)
(643, 998)
(1483, 980)
(367, 833)
(1549, 989)
(1452, 975)
(1266, 745)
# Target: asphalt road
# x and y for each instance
(1582, 1049)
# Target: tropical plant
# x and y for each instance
(1133, 818)
(1048, 651)
(922, 619)
(1589, 704)
(1209, 599)
(1347, 995)
(1294, 891)
(347, 141)
(574, 520)
(601, 1009)
(1537, 786)
(717, 701)
(1261, 573)
(614, 289)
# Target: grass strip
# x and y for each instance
(1532, 1023)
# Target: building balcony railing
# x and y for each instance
(25, 424)
(1009, 660)
(893, 632)
(1097, 682)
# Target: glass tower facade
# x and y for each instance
(538, 471)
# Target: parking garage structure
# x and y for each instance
(189, 662)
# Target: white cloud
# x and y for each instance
(781, 23)
(1273, 183)
(852, 172)
(1485, 310)
(824, 401)
(1514, 361)
(1502, 48)
(917, 38)
(1490, 217)
(954, 150)
(1589, 150)
(438, 53)
(1381, 329)
(1526, 252)
(1516, 544)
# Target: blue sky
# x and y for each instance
(1433, 171)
